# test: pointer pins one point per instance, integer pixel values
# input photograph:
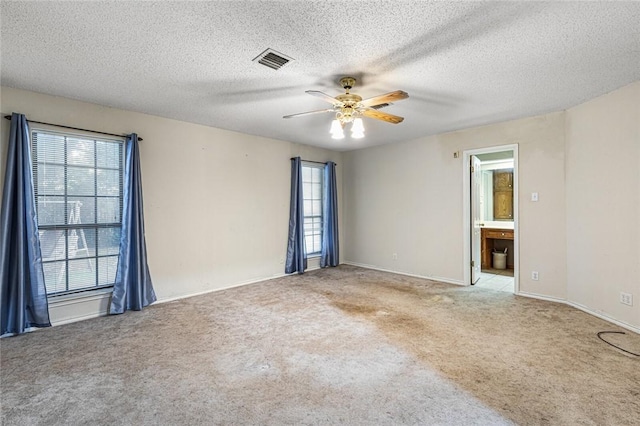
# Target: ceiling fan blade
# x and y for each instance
(387, 98)
(309, 113)
(389, 118)
(324, 97)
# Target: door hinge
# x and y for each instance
(472, 169)
(473, 263)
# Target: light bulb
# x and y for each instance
(357, 126)
(357, 135)
(335, 127)
(336, 130)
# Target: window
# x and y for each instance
(312, 175)
(78, 184)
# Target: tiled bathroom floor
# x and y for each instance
(495, 279)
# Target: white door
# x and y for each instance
(476, 187)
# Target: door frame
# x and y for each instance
(475, 230)
(466, 209)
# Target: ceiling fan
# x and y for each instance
(348, 108)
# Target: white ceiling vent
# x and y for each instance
(272, 59)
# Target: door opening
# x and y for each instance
(491, 218)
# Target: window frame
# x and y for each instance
(314, 216)
(81, 228)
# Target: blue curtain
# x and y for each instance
(23, 294)
(330, 255)
(133, 288)
(296, 252)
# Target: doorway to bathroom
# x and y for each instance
(491, 218)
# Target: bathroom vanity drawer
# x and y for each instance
(498, 234)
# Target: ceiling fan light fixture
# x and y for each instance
(357, 126)
(335, 127)
(350, 107)
(336, 130)
(357, 129)
(337, 135)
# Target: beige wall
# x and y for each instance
(582, 236)
(408, 199)
(4, 134)
(216, 202)
(603, 203)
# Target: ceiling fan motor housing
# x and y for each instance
(349, 108)
(347, 83)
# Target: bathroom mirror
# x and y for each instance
(496, 198)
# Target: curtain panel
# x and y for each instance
(296, 251)
(23, 295)
(133, 289)
(330, 255)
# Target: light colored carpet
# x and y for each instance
(338, 346)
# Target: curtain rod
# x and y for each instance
(309, 161)
(8, 117)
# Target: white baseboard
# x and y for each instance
(200, 293)
(605, 317)
(375, 268)
(583, 309)
(312, 266)
(541, 297)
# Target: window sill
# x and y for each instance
(85, 296)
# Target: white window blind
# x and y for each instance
(78, 184)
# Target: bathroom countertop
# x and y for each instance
(497, 224)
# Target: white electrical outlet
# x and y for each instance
(395, 256)
(626, 299)
(534, 275)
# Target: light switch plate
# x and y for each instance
(534, 196)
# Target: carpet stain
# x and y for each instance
(503, 349)
(355, 309)
(404, 289)
(440, 299)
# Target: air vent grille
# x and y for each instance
(272, 59)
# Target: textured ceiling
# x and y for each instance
(462, 63)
